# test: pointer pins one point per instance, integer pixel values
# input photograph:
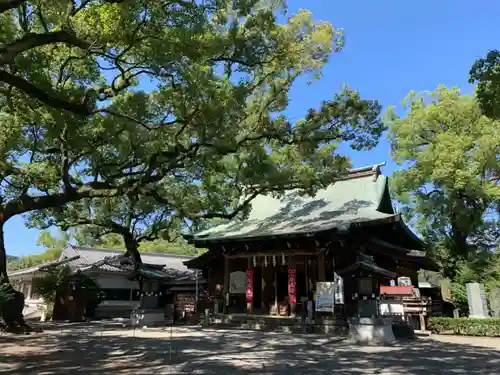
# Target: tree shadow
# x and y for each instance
(89, 350)
(298, 215)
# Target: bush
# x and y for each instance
(465, 326)
(6, 295)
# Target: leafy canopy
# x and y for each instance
(177, 102)
(449, 149)
(485, 73)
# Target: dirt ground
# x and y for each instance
(92, 350)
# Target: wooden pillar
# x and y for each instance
(249, 286)
(275, 290)
(263, 287)
(225, 294)
(321, 266)
(292, 286)
(306, 276)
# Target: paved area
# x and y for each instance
(94, 350)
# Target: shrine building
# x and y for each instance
(270, 263)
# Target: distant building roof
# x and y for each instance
(361, 196)
(155, 265)
(42, 267)
(90, 256)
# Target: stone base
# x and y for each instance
(268, 323)
(371, 330)
(147, 317)
(478, 316)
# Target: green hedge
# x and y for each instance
(465, 326)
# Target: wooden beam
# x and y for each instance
(277, 253)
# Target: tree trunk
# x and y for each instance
(12, 307)
(4, 278)
(132, 248)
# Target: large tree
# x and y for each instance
(74, 75)
(76, 125)
(449, 151)
(106, 98)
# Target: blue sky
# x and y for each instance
(392, 47)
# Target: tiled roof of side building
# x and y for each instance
(361, 196)
(79, 258)
(90, 256)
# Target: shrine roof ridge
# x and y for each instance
(369, 170)
(361, 197)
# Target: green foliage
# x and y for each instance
(79, 122)
(48, 285)
(485, 73)
(6, 294)
(60, 279)
(53, 246)
(459, 296)
(448, 188)
(489, 327)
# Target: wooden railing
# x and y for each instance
(421, 306)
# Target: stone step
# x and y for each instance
(278, 326)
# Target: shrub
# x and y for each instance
(465, 326)
(6, 295)
(61, 280)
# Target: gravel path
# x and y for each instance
(93, 351)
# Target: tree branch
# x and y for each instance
(32, 40)
(45, 97)
(231, 215)
(26, 203)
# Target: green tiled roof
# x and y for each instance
(362, 197)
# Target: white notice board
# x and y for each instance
(325, 294)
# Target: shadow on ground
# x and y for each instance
(92, 351)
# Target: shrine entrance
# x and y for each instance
(281, 273)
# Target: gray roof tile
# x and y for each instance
(90, 256)
(346, 202)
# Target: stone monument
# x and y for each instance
(478, 306)
(495, 302)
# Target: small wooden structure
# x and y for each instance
(269, 263)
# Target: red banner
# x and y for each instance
(249, 285)
(292, 292)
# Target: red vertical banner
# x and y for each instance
(249, 285)
(292, 290)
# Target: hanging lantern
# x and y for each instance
(283, 259)
(274, 260)
(265, 261)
